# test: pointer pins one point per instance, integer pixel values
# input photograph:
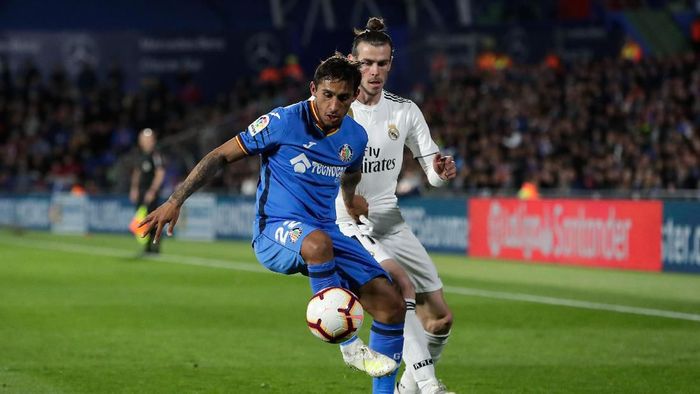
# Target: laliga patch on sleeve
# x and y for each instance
(259, 125)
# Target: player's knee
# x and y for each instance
(441, 324)
(317, 248)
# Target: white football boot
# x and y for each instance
(434, 387)
(359, 356)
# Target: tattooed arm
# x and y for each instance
(205, 170)
(215, 160)
(169, 211)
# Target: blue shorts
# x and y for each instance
(278, 247)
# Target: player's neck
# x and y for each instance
(367, 99)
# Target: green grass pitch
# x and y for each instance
(85, 315)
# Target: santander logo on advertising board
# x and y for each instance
(615, 233)
(558, 234)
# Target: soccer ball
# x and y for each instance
(334, 314)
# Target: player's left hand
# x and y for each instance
(167, 213)
(359, 207)
(444, 166)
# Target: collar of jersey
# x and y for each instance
(317, 121)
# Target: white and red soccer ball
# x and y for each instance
(334, 314)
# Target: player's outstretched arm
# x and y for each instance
(169, 211)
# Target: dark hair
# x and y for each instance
(339, 68)
(373, 34)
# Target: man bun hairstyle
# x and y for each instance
(374, 34)
(339, 68)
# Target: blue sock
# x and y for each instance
(323, 275)
(386, 339)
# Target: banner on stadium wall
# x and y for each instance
(109, 214)
(215, 60)
(680, 237)
(197, 218)
(7, 211)
(440, 224)
(234, 217)
(68, 214)
(615, 233)
(32, 212)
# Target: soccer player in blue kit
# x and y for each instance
(309, 150)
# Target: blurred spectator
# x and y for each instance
(292, 69)
(190, 92)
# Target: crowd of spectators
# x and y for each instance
(604, 124)
(607, 124)
(57, 131)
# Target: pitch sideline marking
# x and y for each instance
(254, 267)
(571, 303)
(112, 252)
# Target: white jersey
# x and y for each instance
(391, 123)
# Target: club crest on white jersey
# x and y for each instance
(393, 132)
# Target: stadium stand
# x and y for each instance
(606, 124)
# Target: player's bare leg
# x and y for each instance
(317, 252)
(436, 317)
(383, 301)
(317, 248)
(420, 372)
(377, 298)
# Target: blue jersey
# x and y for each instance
(301, 163)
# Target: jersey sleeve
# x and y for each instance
(356, 164)
(264, 134)
(418, 138)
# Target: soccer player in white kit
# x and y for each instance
(392, 122)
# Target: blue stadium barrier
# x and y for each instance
(441, 224)
(31, 212)
(680, 237)
(109, 214)
(234, 217)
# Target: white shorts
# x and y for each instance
(404, 248)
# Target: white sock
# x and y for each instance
(419, 364)
(436, 343)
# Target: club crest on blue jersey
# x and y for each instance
(295, 234)
(345, 153)
(259, 125)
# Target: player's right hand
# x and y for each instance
(167, 213)
(359, 207)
